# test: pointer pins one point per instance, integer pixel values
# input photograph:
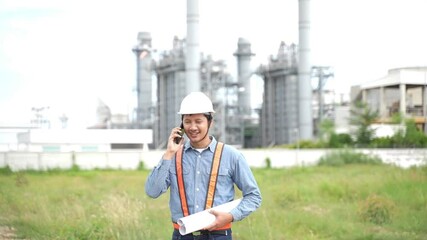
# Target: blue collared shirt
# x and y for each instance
(196, 170)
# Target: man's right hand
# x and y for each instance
(173, 147)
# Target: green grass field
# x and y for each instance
(348, 202)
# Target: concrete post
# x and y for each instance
(403, 100)
(383, 110)
(425, 106)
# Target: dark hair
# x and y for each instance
(207, 115)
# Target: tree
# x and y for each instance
(362, 117)
(326, 129)
(411, 136)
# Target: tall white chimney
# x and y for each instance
(305, 119)
(192, 57)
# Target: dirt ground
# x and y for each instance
(7, 233)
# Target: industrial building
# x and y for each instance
(279, 113)
(83, 140)
(402, 90)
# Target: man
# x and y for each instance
(201, 173)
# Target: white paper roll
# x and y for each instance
(200, 220)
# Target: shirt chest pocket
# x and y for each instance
(173, 177)
(223, 173)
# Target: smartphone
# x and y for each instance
(181, 132)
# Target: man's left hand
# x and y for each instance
(221, 219)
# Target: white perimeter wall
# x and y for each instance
(130, 159)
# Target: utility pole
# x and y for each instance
(322, 73)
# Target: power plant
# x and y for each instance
(293, 105)
(164, 77)
(286, 114)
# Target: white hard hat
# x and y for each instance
(196, 102)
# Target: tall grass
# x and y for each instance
(299, 203)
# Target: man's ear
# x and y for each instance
(210, 123)
(209, 117)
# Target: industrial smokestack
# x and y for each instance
(143, 79)
(305, 119)
(192, 57)
(244, 55)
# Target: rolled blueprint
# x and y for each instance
(200, 220)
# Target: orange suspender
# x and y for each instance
(180, 180)
(214, 175)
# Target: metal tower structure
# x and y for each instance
(243, 55)
(244, 73)
(171, 89)
(144, 71)
(322, 73)
(279, 114)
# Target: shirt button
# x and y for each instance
(200, 156)
(197, 189)
(198, 172)
(197, 206)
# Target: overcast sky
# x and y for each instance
(67, 54)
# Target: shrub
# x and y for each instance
(377, 209)
(304, 144)
(340, 158)
(75, 168)
(310, 144)
(382, 142)
(141, 166)
(410, 137)
(21, 180)
(267, 163)
(340, 140)
(6, 171)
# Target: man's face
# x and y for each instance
(196, 127)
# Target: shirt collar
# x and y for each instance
(211, 146)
